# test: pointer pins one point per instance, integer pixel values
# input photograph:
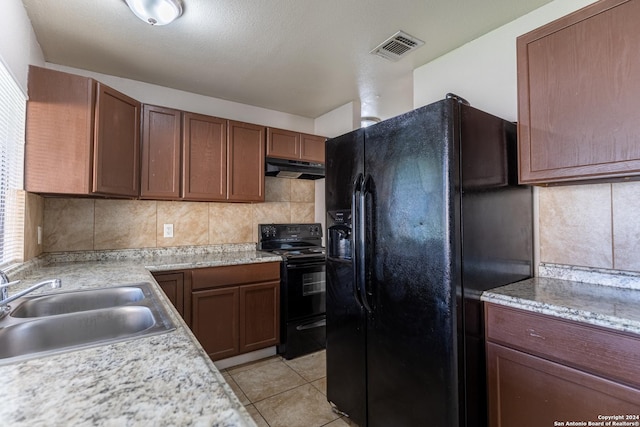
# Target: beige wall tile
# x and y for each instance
(626, 226)
(34, 217)
(190, 223)
(303, 190)
(123, 224)
(575, 225)
(270, 213)
(68, 224)
(277, 189)
(230, 223)
(302, 212)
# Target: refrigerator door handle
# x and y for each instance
(355, 233)
(367, 188)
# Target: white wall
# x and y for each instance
(159, 95)
(18, 44)
(484, 70)
(339, 121)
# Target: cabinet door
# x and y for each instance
(259, 316)
(246, 162)
(578, 96)
(116, 155)
(215, 321)
(161, 151)
(312, 148)
(528, 391)
(205, 157)
(59, 133)
(283, 144)
(172, 284)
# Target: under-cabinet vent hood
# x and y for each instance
(397, 46)
(294, 169)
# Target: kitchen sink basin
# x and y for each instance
(70, 302)
(65, 321)
(71, 330)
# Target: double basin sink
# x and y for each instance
(64, 321)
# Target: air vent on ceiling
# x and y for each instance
(397, 46)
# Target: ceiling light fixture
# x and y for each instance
(156, 12)
(368, 121)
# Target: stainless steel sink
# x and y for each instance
(70, 302)
(65, 321)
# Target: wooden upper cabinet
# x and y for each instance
(245, 162)
(205, 157)
(312, 148)
(117, 143)
(578, 96)
(286, 144)
(82, 137)
(59, 133)
(161, 153)
(283, 144)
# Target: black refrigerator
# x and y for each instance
(423, 214)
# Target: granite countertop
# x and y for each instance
(596, 304)
(160, 380)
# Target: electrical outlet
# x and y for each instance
(168, 230)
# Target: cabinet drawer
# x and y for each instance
(213, 277)
(527, 391)
(608, 353)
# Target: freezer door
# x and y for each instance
(411, 258)
(346, 323)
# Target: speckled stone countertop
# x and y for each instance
(160, 380)
(605, 305)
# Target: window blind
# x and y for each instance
(12, 123)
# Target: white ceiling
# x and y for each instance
(301, 57)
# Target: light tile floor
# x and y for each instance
(285, 393)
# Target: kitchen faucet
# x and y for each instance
(5, 299)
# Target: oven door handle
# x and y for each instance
(317, 324)
(355, 236)
(292, 266)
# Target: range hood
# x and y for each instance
(294, 169)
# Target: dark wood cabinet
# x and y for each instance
(543, 369)
(82, 137)
(259, 316)
(174, 285)
(286, 144)
(205, 158)
(578, 93)
(216, 321)
(161, 153)
(236, 309)
(245, 176)
(312, 148)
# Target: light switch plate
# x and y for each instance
(168, 230)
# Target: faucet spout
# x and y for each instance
(4, 302)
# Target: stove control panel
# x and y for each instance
(289, 232)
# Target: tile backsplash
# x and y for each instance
(72, 224)
(593, 225)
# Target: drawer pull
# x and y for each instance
(532, 333)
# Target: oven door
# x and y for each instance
(305, 289)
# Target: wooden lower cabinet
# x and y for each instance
(259, 316)
(236, 309)
(544, 371)
(215, 321)
(173, 285)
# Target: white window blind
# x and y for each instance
(12, 122)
